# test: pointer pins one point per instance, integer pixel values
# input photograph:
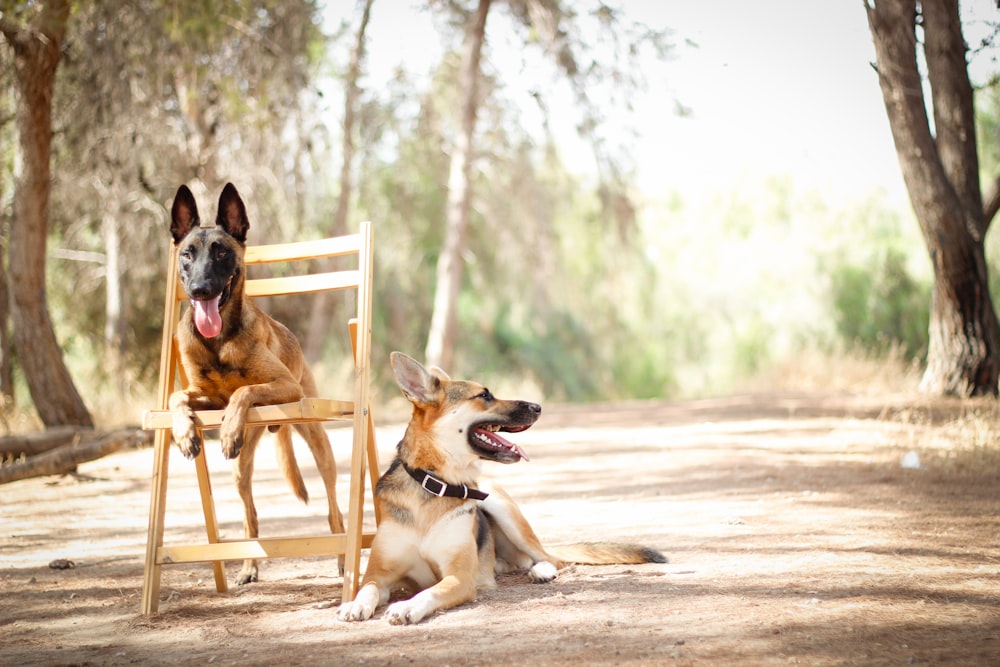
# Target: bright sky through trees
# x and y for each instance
(780, 87)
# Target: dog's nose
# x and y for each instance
(200, 290)
(535, 408)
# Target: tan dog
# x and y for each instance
(442, 533)
(236, 357)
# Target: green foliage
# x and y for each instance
(201, 98)
(880, 301)
(879, 305)
(988, 130)
(690, 297)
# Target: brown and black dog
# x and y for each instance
(443, 532)
(236, 357)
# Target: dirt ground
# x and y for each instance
(794, 532)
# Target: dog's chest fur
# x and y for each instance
(421, 529)
(221, 365)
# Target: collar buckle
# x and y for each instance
(441, 489)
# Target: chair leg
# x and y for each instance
(373, 466)
(363, 444)
(211, 521)
(157, 509)
(356, 508)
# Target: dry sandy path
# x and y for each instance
(794, 537)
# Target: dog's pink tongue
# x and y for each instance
(501, 443)
(206, 316)
(519, 451)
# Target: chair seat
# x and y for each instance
(304, 410)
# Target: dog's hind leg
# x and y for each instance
(319, 444)
(517, 546)
(243, 476)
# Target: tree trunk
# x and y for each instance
(942, 177)
(36, 56)
(323, 302)
(115, 324)
(6, 351)
(441, 336)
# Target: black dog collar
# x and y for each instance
(439, 488)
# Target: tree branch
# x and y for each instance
(30, 444)
(64, 459)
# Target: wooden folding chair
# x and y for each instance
(358, 410)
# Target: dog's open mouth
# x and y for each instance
(489, 444)
(207, 317)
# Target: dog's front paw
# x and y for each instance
(406, 612)
(355, 611)
(231, 446)
(231, 432)
(542, 572)
(364, 604)
(190, 447)
(186, 435)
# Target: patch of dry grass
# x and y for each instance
(952, 437)
(967, 445)
(840, 370)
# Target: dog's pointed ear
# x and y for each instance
(419, 385)
(233, 214)
(183, 214)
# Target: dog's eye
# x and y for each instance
(485, 395)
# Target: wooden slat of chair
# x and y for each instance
(363, 452)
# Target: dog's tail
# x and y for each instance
(606, 553)
(285, 454)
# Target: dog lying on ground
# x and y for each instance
(442, 532)
(235, 357)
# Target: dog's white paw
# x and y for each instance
(542, 572)
(406, 612)
(354, 611)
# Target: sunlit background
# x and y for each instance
(735, 219)
(771, 203)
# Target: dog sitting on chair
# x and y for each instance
(236, 357)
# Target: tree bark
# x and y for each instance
(941, 176)
(444, 318)
(954, 111)
(323, 302)
(36, 57)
